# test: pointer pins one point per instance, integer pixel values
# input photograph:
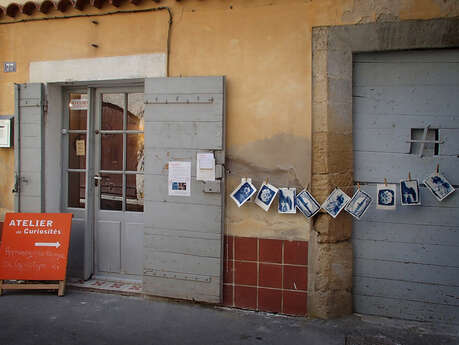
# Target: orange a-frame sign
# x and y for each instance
(35, 246)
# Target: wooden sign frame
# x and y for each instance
(60, 286)
(34, 251)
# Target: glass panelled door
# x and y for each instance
(103, 167)
(118, 181)
(76, 180)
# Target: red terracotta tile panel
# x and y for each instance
(270, 300)
(245, 273)
(245, 297)
(271, 250)
(228, 268)
(245, 248)
(295, 303)
(228, 295)
(270, 276)
(296, 252)
(295, 277)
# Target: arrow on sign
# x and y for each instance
(45, 244)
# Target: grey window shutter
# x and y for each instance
(28, 147)
(183, 235)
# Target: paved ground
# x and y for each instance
(82, 317)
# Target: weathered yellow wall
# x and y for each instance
(262, 47)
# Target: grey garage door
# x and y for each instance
(406, 262)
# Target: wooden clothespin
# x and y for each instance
(385, 181)
(307, 187)
(438, 169)
(358, 185)
(409, 175)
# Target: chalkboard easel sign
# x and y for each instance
(35, 247)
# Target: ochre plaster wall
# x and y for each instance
(262, 47)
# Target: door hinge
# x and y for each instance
(17, 185)
(45, 108)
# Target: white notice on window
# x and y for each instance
(205, 167)
(179, 178)
(80, 147)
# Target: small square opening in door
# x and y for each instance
(427, 149)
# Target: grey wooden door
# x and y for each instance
(183, 235)
(406, 262)
(28, 148)
(77, 192)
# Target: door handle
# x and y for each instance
(97, 178)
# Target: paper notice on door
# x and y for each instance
(205, 167)
(80, 147)
(179, 183)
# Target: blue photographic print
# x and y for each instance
(306, 203)
(386, 196)
(265, 196)
(409, 193)
(439, 186)
(287, 200)
(243, 192)
(359, 204)
(335, 202)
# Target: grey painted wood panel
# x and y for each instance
(193, 217)
(375, 166)
(405, 271)
(184, 245)
(406, 233)
(403, 68)
(190, 135)
(30, 130)
(387, 74)
(158, 192)
(33, 185)
(31, 203)
(30, 142)
(30, 91)
(419, 100)
(383, 140)
(183, 289)
(388, 121)
(108, 242)
(158, 165)
(183, 235)
(451, 145)
(427, 254)
(410, 310)
(188, 85)
(414, 291)
(29, 158)
(182, 263)
(406, 261)
(444, 216)
(408, 57)
(185, 112)
(132, 244)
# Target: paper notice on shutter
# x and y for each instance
(179, 182)
(205, 167)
